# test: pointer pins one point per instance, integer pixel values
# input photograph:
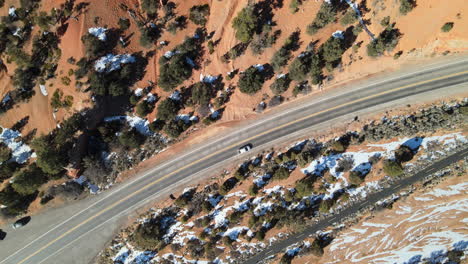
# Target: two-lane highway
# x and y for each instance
(76, 232)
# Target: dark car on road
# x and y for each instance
(2, 234)
(21, 222)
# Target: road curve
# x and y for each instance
(371, 199)
(76, 232)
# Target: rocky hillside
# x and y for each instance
(281, 191)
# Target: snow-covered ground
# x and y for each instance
(20, 151)
(361, 159)
(111, 62)
(140, 124)
(98, 32)
(413, 231)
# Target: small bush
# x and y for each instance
(167, 109)
(406, 6)
(174, 72)
(227, 185)
(385, 21)
(280, 85)
(144, 108)
(199, 13)
(325, 16)
(27, 181)
(281, 174)
(262, 41)
(131, 138)
(251, 81)
(392, 168)
(124, 23)
(349, 18)
(403, 154)
(175, 127)
(5, 153)
(280, 59)
(156, 126)
(245, 23)
(294, 5)
(447, 27)
(356, 178)
(386, 41)
(202, 93)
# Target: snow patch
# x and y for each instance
(98, 32)
(111, 62)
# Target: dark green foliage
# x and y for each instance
(294, 5)
(245, 24)
(227, 185)
(59, 101)
(447, 27)
(175, 127)
(356, 178)
(117, 82)
(43, 20)
(149, 34)
(156, 126)
(7, 169)
(149, 235)
(124, 23)
(282, 56)
(280, 59)
(332, 50)
(50, 157)
(280, 174)
(316, 248)
(300, 67)
(349, 18)
(325, 205)
(5, 152)
(338, 147)
(251, 81)
(253, 190)
(202, 93)
(325, 16)
(392, 168)
(27, 181)
(150, 6)
(131, 138)
(45, 53)
(305, 186)
(184, 199)
(198, 14)
(83, 67)
(262, 41)
(95, 47)
(406, 6)
(403, 154)
(15, 202)
(286, 259)
(385, 21)
(280, 85)
(167, 109)
(144, 108)
(386, 41)
(174, 72)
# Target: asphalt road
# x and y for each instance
(75, 233)
(371, 199)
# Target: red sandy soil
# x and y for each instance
(421, 38)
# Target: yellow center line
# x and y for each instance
(228, 147)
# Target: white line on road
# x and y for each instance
(126, 184)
